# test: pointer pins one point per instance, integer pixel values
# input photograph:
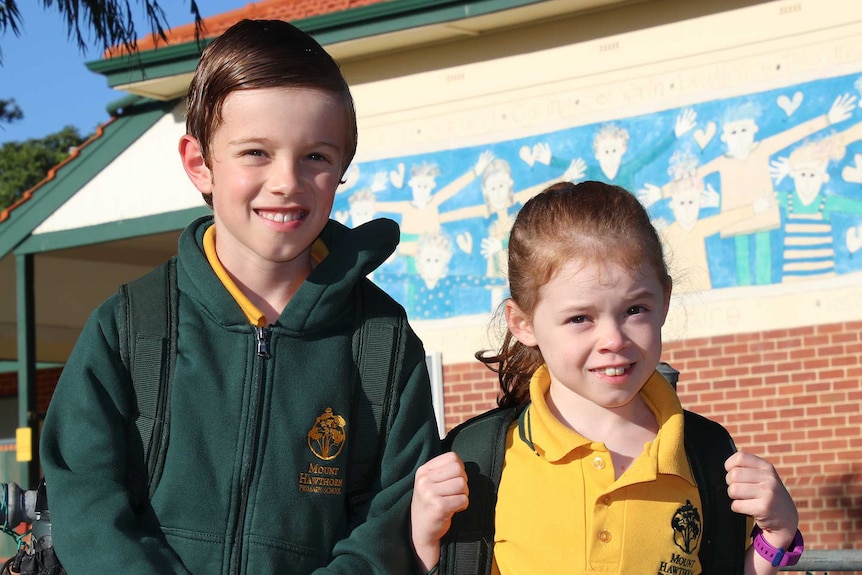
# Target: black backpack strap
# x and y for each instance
(468, 547)
(148, 348)
(723, 539)
(379, 343)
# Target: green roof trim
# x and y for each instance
(70, 178)
(352, 24)
(112, 231)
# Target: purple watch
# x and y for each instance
(778, 557)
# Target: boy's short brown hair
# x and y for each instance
(261, 54)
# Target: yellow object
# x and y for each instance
(560, 508)
(24, 444)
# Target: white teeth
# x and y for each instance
(281, 217)
(615, 370)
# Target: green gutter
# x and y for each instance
(353, 24)
(112, 231)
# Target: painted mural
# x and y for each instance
(758, 189)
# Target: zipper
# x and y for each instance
(250, 455)
(262, 342)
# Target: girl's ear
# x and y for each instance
(195, 165)
(519, 324)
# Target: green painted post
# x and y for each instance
(27, 435)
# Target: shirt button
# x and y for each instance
(605, 536)
(606, 500)
(599, 463)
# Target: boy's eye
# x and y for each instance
(254, 153)
(317, 157)
(635, 309)
(578, 319)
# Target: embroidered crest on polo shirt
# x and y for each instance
(687, 527)
(326, 439)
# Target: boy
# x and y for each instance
(263, 404)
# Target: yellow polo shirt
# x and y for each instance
(560, 510)
(255, 316)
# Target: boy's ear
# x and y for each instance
(195, 165)
(519, 324)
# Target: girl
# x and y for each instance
(596, 471)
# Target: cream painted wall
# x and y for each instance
(146, 179)
(76, 287)
(751, 49)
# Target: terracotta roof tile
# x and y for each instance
(288, 10)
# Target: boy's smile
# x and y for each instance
(277, 157)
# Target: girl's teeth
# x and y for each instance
(615, 370)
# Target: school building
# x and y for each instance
(737, 122)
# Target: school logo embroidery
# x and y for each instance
(326, 439)
(687, 527)
(327, 436)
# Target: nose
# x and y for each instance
(284, 177)
(612, 336)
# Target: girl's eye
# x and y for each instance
(254, 153)
(578, 319)
(635, 309)
(317, 157)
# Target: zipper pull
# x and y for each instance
(262, 342)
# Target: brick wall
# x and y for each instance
(46, 381)
(790, 396)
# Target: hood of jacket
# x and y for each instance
(324, 298)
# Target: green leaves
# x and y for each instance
(24, 164)
(9, 111)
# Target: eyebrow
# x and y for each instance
(267, 141)
(643, 293)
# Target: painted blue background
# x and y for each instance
(467, 289)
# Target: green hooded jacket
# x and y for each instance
(256, 465)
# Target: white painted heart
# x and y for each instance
(527, 155)
(465, 242)
(853, 174)
(396, 177)
(854, 239)
(790, 105)
(703, 137)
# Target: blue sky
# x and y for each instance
(46, 74)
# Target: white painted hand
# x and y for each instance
(841, 108)
(542, 153)
(485, 158)
(575, 171)
(709, 198)
(685, 122)
(649, 194)
(779, 169)
(491, 246)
